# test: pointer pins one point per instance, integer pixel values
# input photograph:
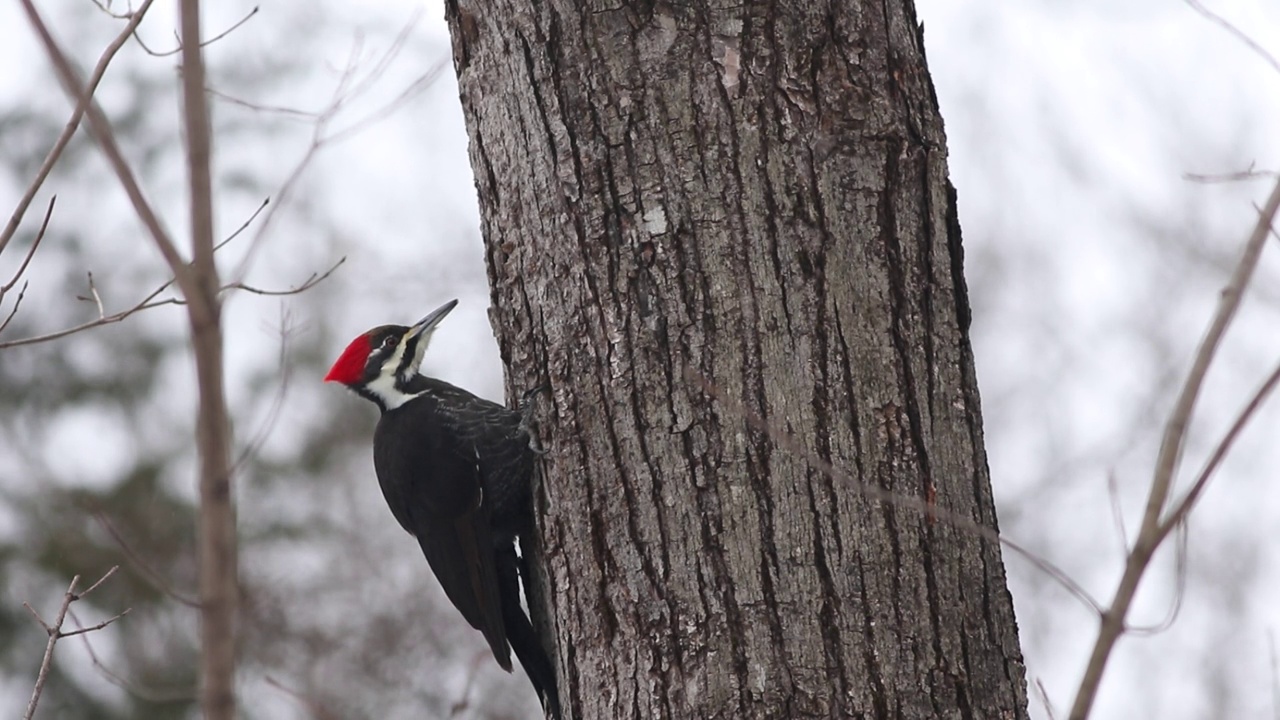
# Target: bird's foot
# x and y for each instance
(526, 408)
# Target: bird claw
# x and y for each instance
(532, 393)
(526, 408)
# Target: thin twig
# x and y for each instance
(1117, 511)
(259, 437)
(100, 128)
(94, 297)
(1152, 531)
(463, 703)
(311, 281)
(56, 633)
(1275, 675)
(1247, 174)
(85, 97)
(35, 244)
(1183, 508)
(14, 310)
(351, 85)
(1239, 34)
(206, 43)
(1044, 698)
(99, 626)
(146, 303)
(148, 572)
(317, 710)
(148, 694)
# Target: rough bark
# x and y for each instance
(755, 194)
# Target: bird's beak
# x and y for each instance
(428, 323)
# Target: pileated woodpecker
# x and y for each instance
(456, 470)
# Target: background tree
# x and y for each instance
(699, 216)
(95, 450)
(1092, 263)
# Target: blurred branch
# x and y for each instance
(216, 528)
(206, 43)
(1239, 34)
(151, 301)
(1153, 529)
(1275, 675)
(1043, 694)
(44, 225)
(56, 633)
(101, 130)
(1184, 506)
(316, 710)
(1248, 174)
(69, 130)
(146, 303)
(312, 280)
(463, 703)
(155, 696)
(352, 84)
(148, 572)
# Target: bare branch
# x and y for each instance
(106, 9)
(1152, 530)
(101, 580)
(1044, 699)
(55, 633)
(1239, 34)
(311, 281)
(216, 539)
(259, 107)
(423, 81)
(463, 703)
(99, 626)
(35, 244)
(14, 310)
(148, 572)
(52, 631)
(244, 225)
(1183, 508)
(206, 43)
(316, 710)
(1247, 174)
(94, 297)
(1275, 675)
(100, 128)
(85, 96)
(148, 694)
(1117, 512)
(146, 303)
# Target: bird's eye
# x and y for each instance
(389, 343)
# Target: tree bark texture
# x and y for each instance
(699, 213)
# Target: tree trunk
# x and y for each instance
(696, 215)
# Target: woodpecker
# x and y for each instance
(456, 471)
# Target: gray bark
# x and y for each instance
(755, 195)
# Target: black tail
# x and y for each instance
(523, 638)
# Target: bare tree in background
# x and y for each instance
(696, 215)
(198, 281)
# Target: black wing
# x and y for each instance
(432, 480)
(505, 457)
